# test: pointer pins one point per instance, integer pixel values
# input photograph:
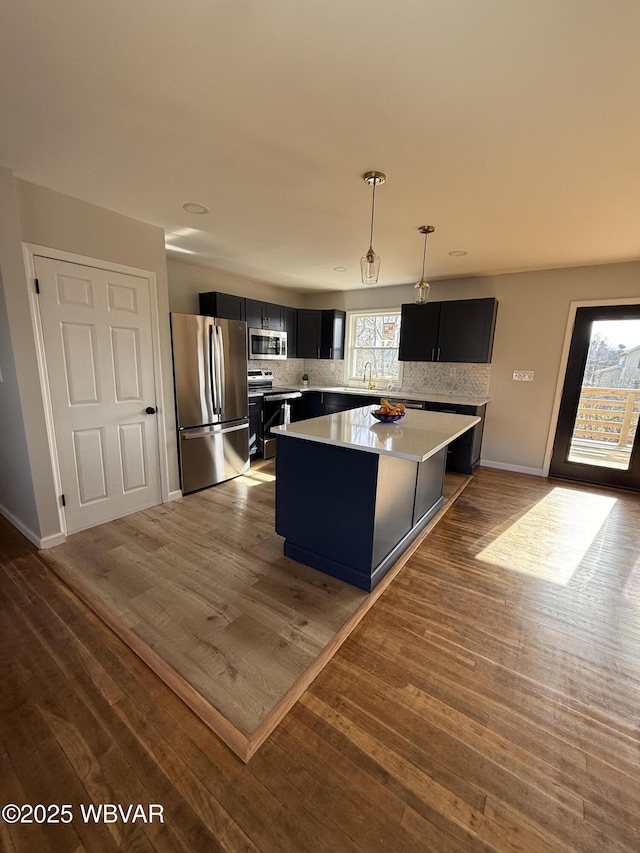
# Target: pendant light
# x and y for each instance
(421, 289)
(370, 262)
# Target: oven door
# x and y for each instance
(276, 411)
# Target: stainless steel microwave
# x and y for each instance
(267, 343)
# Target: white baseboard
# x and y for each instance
(173, 496)
(52, 541)
(47, 542)
(518, 469)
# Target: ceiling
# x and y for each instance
(512, 126)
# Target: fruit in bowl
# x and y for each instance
(388, 412)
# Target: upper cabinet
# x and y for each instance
(291, 328)
(265, 315)
(222, 305)
(460, 330)
(321, 333)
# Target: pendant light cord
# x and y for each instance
(424, 256)
(373, 208)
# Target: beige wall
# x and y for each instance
(21, 408)
(532, 320)
(52, 220)
(187, 280)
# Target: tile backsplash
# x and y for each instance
(286, 372)
(469, 380)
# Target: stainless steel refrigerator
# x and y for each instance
(212, 406)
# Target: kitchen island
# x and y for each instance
(353, 493)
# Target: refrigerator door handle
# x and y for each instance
(210, 432)
(212, 383)
(221, 369)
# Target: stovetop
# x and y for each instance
(261, 382)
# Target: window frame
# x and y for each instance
(356, 382)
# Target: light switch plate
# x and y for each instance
(523, 375)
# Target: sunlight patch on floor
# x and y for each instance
(551, 539)
(255, 478)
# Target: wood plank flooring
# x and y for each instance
(486, 704)
(201, 590)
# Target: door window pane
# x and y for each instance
(607, 416)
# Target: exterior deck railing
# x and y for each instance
(608, 415)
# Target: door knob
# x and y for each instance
(150, 410)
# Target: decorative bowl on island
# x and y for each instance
(388, 419)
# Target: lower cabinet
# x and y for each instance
(316, 403)
(463, 454)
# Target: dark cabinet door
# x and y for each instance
(222, 305)
(264, 315)
(332, 334)
(460, 330)
(335, 401)
(419, 332)
(466, 330)
(463, 454)
(273, 316)
(291, 328)
(254, 313)
(309, 325)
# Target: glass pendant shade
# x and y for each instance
(421, 291)
(370, 267)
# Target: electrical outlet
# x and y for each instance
(523, 375)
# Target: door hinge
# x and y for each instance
(37, 286)
(64, 503)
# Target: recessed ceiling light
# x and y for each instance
(458, 253)
(339, 269)
(199, 209)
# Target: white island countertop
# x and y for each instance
(417, 436)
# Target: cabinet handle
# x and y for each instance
(438, 359)
(330, 352)
(433, 352)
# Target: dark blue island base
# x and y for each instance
(352, 513)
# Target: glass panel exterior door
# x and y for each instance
(597, 435)
(606, 421)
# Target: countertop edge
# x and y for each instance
(285, 430)
(418, 396)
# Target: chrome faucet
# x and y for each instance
(371, 383)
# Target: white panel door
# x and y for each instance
(96, 327)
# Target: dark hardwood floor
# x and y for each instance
(488, 702)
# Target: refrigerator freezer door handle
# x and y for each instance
(188, 434)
